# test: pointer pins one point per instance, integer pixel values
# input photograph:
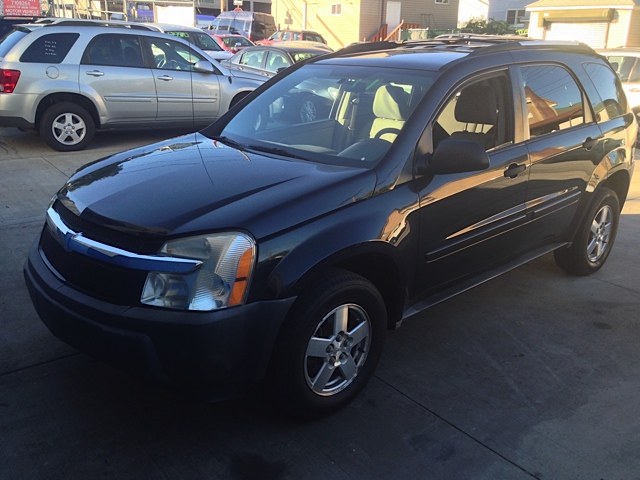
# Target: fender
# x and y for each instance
(352, 237)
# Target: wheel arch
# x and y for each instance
(619, 182)
(81, 100)
(375, 261)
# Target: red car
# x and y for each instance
(232, 43)
(288, 35)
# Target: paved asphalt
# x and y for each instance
(533, 375)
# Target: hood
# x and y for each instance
(192, 184)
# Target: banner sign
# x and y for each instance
(21, 8)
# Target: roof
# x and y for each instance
(434, 54)
(167, 27)
(297, 46)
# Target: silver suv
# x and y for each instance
(68, 78)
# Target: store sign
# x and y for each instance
(22, 8)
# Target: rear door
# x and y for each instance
(184, 95)
(565, 146)
(112, 71)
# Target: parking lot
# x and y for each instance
(535, 374)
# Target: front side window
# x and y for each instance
(480, 112)
(613, 99)
(253, 58)
(49, 48)
(168, 55)
(554, 100)
(113, 50)
(277, 61)
(205, 42)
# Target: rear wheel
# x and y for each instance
(595, 236)
(67, 127)
(329, 347)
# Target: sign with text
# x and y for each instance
(22, 8)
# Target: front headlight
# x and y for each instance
(221, 281)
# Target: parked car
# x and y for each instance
(265, 61)
(232, 43)
(253, 25)
(68, 78)
(265, 251)
(307, 102)
(196, 37)
(293, 35)
(626, 63)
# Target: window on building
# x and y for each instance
(442, 2)
(517, 17)
(336, 9)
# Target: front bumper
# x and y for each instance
(219, 354)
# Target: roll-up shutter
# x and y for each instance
(593, 34)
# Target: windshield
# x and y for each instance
(338, 115)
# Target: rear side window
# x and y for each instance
(554, 100)
(613, 100)
(49, 48)
(114, 50)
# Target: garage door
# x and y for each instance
(593, 34)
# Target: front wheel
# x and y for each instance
(308, 111)
(67, 127)
(329, 346)
(595, 236)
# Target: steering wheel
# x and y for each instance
(384, 131)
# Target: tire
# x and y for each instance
(67, 127)
(308, 111)
(329, 346)
(594, 237)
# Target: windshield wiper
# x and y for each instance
(227, 141)
(275, 151)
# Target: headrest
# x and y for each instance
(391, 102)
(477, 104)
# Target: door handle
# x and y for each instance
(589, 143)
(96, 73)
(514, 170)
(166, 78)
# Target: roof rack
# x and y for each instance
(80, 22)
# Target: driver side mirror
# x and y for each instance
(453, 155)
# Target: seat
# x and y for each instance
(477, 108)
(390, 108)
(132, 57)
(277, 63)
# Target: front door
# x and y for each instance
(472, 221)
(393, 15)
(183, 95)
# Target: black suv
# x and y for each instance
(268, 251)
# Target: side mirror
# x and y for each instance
(204, 67)
(454, 155)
